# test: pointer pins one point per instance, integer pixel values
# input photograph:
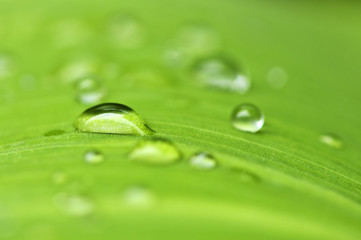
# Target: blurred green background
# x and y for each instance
(281, 183)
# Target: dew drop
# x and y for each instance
(203, 161)
(126, 31)
(331, 140)
(221, 73)
(73, 205)
(112, 118)
(93, 157)
(155, 152)
(90, 89)
(247, 118)
(138, 197)
(277, 77)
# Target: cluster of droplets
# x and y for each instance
(194, 47)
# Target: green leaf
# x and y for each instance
(279, 183)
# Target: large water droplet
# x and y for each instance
(138, 197)
(112, 118)
(331, 140)
(76, 206)
(90, 89)
(221, 73)
(203, 161)
(277, 77)
(126, 31)
(247, 117)
(93, 157)
(156, 152)
(190, 42)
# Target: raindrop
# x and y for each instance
(203, 161)
(155, 152)
(247, 118)
(93, 157)
(221, 73)
(112, 118)
(331, 140)
(90, 89)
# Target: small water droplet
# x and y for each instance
(191, 41)
(155, 152)
(221, 73)
(59, 177)
(138, 197)
(73, 205)
(54, 133)
(203, 161)
(331, 140)
(277, 77)
(90, 89)
(126, 31)
(247, 117)
(112, 118)
(93, 157)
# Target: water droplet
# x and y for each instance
(190, 42)
(221, 73)
(247, 117)
(138, 197)
(112, 118)
(331, 140)
(156, 152)
(90, 89)
(59, 177)
(54, 133)
(76, 206)
(126, 32)
(203, 161)
(94, 157)
(277, 77)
